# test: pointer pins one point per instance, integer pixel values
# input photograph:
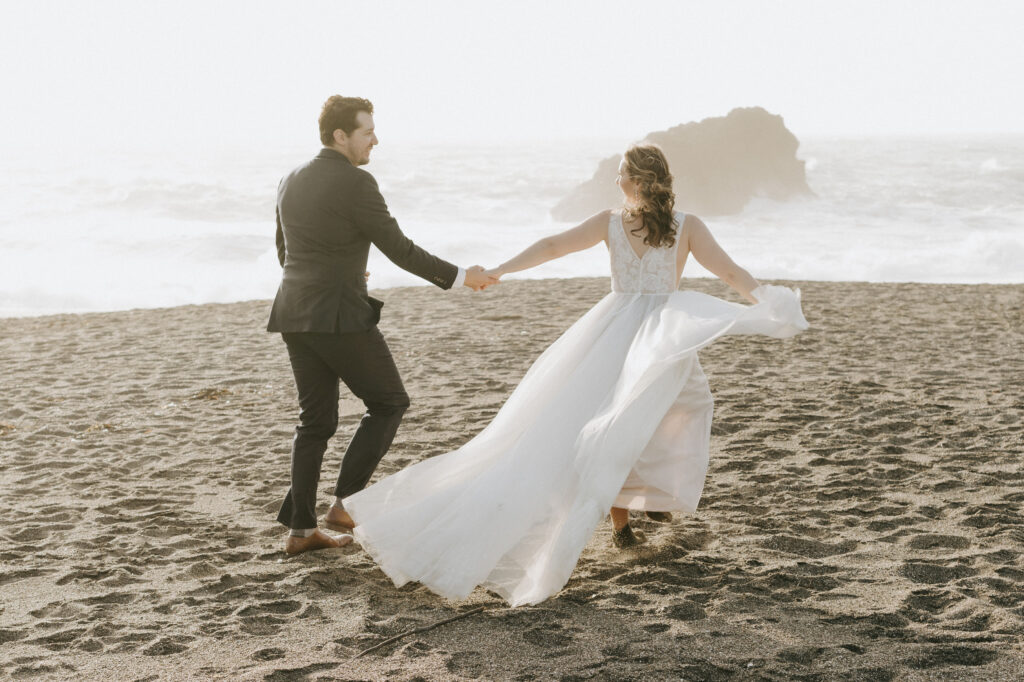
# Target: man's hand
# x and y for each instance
(477, 279)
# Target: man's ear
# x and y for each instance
(340, 137)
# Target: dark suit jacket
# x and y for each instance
(328, 214)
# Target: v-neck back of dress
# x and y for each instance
(652, 273)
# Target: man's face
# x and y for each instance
(356, 146)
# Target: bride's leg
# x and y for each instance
(620, 518)
(622, 535)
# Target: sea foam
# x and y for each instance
(177, 229)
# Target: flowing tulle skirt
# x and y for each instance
(615, 412)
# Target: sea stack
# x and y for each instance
(719, 164)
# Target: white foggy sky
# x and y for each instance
(158, 75)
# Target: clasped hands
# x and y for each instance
(479, 279)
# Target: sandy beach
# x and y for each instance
(861, 518)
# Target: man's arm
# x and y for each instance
(373, 219)
(279, 238)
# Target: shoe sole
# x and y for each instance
(341, 528)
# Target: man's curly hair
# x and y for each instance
(340, 113)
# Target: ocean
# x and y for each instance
(114, 232)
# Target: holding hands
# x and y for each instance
(479, 279)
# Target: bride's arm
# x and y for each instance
(583, 236)
(716, 261)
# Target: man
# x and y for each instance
(329, 211)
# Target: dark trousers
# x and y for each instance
(361, 360)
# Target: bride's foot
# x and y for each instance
(626, 537)
(659, 517)
(318, 540)
(338, 519)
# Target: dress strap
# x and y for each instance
(614, 225)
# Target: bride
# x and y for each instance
(615, 414)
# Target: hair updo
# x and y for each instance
(647, 167)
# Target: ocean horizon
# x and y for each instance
(123, 231)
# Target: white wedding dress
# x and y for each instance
(616, 412)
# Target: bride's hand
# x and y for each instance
(496, 273)
(367, 275)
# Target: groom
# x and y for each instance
(329, 211)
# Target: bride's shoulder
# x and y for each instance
(601, 218)
(688, 221)
(593, 228)
(691, 228)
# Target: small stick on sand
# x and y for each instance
(420, 629)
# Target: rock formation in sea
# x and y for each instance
(719, 164)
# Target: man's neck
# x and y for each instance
(343, 152)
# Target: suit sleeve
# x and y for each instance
(374, 220)
(279, 238)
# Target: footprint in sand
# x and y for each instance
(935, 573)
(804, 655)
(11, 635)
(12, 576)
(811, 549)
(304, 673)
(929, 601)
(110, 598)
(90, 645)
(30, 669)
(685, 611)
(165, 646)
(58, 610)
(547, 636)
(270, 654)
(929, 541)
(951, 655)
(273, 607)
(59, 641)
(892, 626)
(466, 664)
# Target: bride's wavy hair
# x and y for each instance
(655, 200)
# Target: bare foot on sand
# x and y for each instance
(338, 519)
(318, 540)
(626, 537)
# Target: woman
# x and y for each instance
(615, 414)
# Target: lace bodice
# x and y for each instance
(654, 273)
